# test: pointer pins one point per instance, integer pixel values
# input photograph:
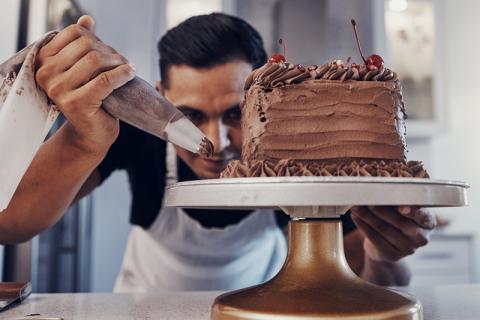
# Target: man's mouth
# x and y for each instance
(215, 164)
(216, 160)
(219, 161)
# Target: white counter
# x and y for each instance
(440, 303)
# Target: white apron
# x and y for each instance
(178, 254)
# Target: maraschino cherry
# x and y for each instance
(374, 60)
(277, 57)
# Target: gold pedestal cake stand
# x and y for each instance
(315, 281)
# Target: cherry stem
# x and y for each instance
(354, 24)
(284, 46)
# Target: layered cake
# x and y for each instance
(338, 119)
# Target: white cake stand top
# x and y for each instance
(315, 192)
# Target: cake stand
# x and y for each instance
(315, 282)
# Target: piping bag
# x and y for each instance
(27, 115)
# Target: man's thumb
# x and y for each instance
(87, 22)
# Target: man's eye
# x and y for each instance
(234, 114)
(194, 116)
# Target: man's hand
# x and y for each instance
(78, 71)
(392, 233)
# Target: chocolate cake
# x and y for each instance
(338, 119)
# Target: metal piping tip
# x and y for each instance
(205, 148)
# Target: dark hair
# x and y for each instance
(208, 40)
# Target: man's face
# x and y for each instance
(210, 98)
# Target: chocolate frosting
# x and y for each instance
(323, 119)
(278, 74)
(348, 167)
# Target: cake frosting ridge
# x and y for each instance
(338, 168)
(277, 74)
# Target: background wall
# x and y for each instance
(314, 31)
(8, 22)
(455, 152)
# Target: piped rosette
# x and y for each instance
(331, 168)
(274, 74)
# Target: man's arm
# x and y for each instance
(381, 273)
(386, 235)
(77, 71)
(93, 181)
(58, 172)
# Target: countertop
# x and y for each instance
(440, 303)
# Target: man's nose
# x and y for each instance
(217, 133)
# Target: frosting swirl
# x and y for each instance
(351, 167)
(282, 73)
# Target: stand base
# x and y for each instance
(316, 283)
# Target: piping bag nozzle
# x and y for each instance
(140, 105)
(183, 133)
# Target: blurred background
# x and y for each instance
(429, 43)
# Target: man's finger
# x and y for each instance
(406, 210)
(61, 40)
(87, 22)
(67, 35)
(422, 217)
(391, 215)
(384, 248)
(386, 230)
(90, 66)
(407, 226)
(102, 85)
(74, 51)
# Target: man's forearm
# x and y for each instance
(48, 187)
(386, 273)
(381, 273)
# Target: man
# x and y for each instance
(203, 64)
